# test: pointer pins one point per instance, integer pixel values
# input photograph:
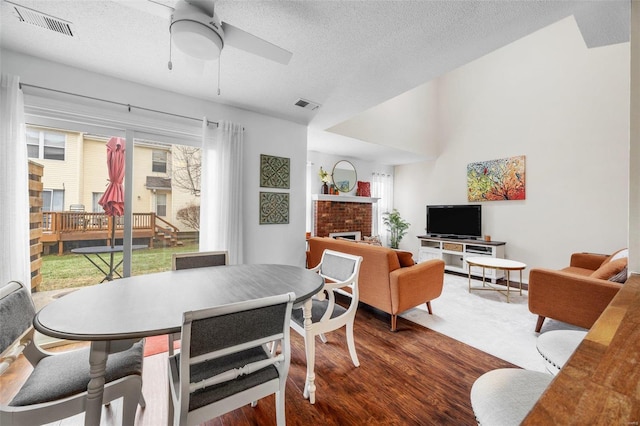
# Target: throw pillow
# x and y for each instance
(620, 277)
(373, 240)
(405, 258)
(610, 269)
(364, 189)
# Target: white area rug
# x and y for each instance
(484, 320)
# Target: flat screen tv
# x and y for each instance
(455, 221)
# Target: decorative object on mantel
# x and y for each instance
(274, 172)
(344, 176)
(274, 208)
(494, 180)
(396, 226)
(364, 189)
(325, 178)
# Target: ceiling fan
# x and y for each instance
(198, 32)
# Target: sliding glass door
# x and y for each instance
(161, 188)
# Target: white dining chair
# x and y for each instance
(340, 272)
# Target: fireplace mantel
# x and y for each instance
(343, 198)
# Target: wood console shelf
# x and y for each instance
(455, 251)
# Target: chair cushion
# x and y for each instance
(405, 258)
(67, 374)
(207, 369)
(610, 269)
(17, 312)
(505, 396)
(317, 310)
(557, 346)
(576, 270)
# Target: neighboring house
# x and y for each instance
(75, 173)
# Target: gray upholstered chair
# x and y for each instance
(340, 271)
(57, 387)
(557, 346)
(199, 259)
(225, 361)
(504, 397)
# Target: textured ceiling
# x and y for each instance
(348, 56)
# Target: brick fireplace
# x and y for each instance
(342, 213)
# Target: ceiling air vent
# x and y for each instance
(42, 20)
(303, 103)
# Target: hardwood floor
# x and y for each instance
(414, 376)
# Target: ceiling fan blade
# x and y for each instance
(241, 39)
(205, 6)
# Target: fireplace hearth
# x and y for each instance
(353, 235)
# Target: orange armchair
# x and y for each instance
(579, 293)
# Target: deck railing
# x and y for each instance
(58, 227)
(54, 222)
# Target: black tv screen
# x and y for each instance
(454, 221)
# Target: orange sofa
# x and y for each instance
(579, 293)
(384, 283)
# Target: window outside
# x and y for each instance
(161, 204)
(53, 200)
(159, 161)
(45, 144)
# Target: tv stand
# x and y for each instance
(454, 251)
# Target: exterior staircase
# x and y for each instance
(166, 233)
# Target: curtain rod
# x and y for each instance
(129, 106)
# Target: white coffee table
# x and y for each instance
(498, 264)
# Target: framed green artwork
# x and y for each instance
(274, 208)
(274, 172)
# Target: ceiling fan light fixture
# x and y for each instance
(196, 39)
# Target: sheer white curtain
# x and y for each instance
(14, 185)
(221, 195)
(381, 187)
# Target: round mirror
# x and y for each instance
(344, 176)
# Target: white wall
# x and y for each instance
(563, 106)
(263, 135)
(407, 112)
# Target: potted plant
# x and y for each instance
(396, 225)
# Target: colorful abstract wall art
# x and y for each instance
(494, 180)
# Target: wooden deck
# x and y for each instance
(59, 227)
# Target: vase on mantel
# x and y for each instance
(325, 188)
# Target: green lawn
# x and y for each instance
(73, 270)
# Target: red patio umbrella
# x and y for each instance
(112, 201)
